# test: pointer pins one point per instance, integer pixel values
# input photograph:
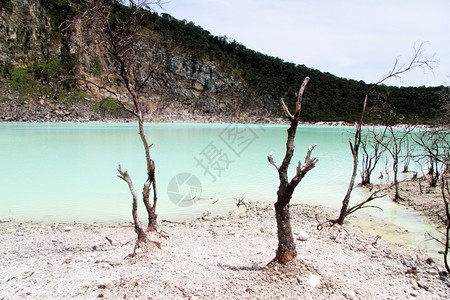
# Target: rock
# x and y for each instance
(313, 281)
(133, 282)
(68, 229)
(303, 236)
(349, 294)
(433, 272)
(6, 220)
(105, 283)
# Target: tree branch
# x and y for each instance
(286, 110)
(298, 106)
(272, 162)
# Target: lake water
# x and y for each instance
(68, 172)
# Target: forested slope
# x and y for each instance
(219, 76)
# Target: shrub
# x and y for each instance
(108, 106)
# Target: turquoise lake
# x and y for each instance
(68, 171)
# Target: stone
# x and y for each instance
(313, 281)
(433, 272)
(349, 294)
(6, 220)
(303, 236)
(133, 282)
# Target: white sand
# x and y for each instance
(221, 258)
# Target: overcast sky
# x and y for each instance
(355, 39)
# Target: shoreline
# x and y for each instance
(207, 120)
(217, 257)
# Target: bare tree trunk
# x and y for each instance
(346, 200)
(446, 197)
(396, 183)
(286, 246)
(142, 236)
(151, 181)
(354, 149)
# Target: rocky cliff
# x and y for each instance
(186, 87)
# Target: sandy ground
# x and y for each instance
(424, 199)
(222, 257)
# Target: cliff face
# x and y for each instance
(25, 33)
(185, 86)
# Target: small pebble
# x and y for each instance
(313, 281)
(303, 236)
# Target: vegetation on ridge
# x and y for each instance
(329, 98)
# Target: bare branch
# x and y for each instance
(300, 97)
(142, 236)
(286, 110)
(271, 161)
(309, 162)
(144, 82)
(417, 61)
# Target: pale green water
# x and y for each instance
(68, 172)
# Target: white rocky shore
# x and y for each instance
(223, 257)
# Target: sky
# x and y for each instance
(353, 39)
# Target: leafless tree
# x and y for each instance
(397, 70)
(394, 142)
(445, 190)
(430, 145)
(441, 140)
(286, 250)
(371, 154)
(119, 33)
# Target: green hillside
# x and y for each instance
(328, 97)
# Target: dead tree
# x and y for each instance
(408, 155)
(431, 144)
(395, 72)
(442, 141)
(445, 190)
(371, 155)
(394, 142)
(118, 32)
(286, 250)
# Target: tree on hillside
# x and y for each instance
(286, 250)
(119, 34)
